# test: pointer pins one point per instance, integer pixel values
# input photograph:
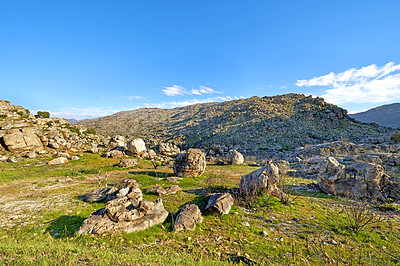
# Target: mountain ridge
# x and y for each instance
(385, 115)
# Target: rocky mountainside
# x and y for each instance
(252, 126)
(386, 115)
(21, 132)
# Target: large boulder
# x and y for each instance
(169, 149)
(187, 217)
(190, 164)
(358, 180)
(234, 157)
(18, 141)
(136, 146)
(266, 179)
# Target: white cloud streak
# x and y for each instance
(176, 90)
(370, 84)
(174, 104)
(83, 113)
(131, 98)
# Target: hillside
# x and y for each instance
(252, 125)
(386, 115)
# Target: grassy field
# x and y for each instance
(40, 213)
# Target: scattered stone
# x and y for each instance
(128, 163)
(246, 224)
(160, 191)
(93, 150)
(59, 160)
(220, 203)
(169, 149)
(12, 160)
(114, 154)
(265, 178)
(190, 164)
(234, 157)
(63, 154)
(116, 141)
(187, 217)
(75, 158)
(174, 179)
(31, 154)
(283, 166)
(3, 158)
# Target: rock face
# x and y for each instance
(169, 149)
(125, 211)
(136, 146)
(190, 164)
(360, 179)
(187, 217)
(120, 215)
(265, 178)
(234, 157)
(220, 203)
(116, 141)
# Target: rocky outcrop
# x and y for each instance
(126, 187)
(120, 215)
(266, 179)
(116, 141)
(358, 180)
(17, 141)
(169, 149)
(234, 157)
(190, 164)
(220, 203)
(136, 146)
(187, 217)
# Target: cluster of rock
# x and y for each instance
(125, 210)
(26, 134)
(357, 180)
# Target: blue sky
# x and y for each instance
(82, 59)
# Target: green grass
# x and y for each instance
(309, 231)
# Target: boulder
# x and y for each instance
(120, 215)
(234, 157)
(17, 141)
(358, 180)
(187, 217)
(220, 203)
(59, 160)
(266, 179)
(31, 154)
(169, 149)
(116, 141)
(190, 164)
(12, 160)
(283, 166)
(114, 154)
(74, 158)
(63, 154)
(136, 146)
(93, 150)
(128, 163)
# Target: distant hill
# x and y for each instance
(251, 125)
(386, 115)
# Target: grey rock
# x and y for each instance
(190, 164)
(187, 217)
(220, 203)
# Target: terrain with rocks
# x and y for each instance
(252, 126)
(336, 202)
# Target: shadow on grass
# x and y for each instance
(64, 226)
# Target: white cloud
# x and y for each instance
(367, 84)
(174, 104)
(131, 98)
(176, 90)
(83, 113)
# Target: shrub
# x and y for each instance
(90, 131)
(3, 116)
(396, 137)
(43, 114)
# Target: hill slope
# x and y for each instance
(255, 124)
(386, 115)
